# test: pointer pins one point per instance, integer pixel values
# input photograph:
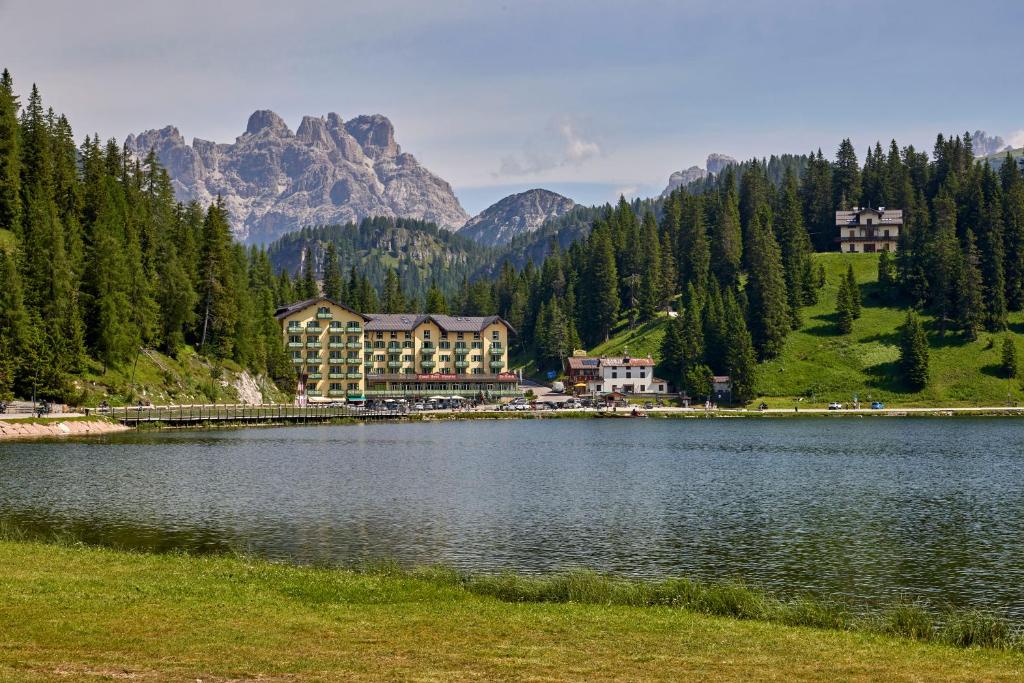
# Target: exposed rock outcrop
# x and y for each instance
(716, 164)
(273, 181)
(515, 215)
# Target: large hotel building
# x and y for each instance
(339, 353)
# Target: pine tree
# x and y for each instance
(795, 245)
(393, 298)
(714, 328)
(692, 340)
(740, 359)
(853, 291)
(13, 328)
(218, 311)
(309, 288)
(914, 353)
(886, 273)
(727, 241)
(672, 350)
(650, 269)
(1009, 357)
(600, 297)
(436, 302)
(10, 157)
(770, 319)
(970, 309)
(695, 261)
(846, 177)
(334, 284)
(844, 308)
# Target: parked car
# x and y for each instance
(648, 405)
(419, 406)
(835, 405)
(572, 404)
(877, 405)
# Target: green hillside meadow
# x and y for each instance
(819, 365)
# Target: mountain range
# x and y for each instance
(273, 181)
(515, 215)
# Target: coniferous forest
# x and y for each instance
(98, 261)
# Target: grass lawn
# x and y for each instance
(819, 365)
(72, 613)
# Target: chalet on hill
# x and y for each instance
(869, 230)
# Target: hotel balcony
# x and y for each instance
(394, 363)
(353, 375)
(314, 392)
(336, 392)
(353, 327)
(324, 316)
(294, 345)
(497, 364)
(315, 375)
(462, 363)
(314, 329)
(298, 361)
(336, 375)
(354, 361)
(314, 345)
(427, 364)
(354, 345)
(336, 345)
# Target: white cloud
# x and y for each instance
(563, 142)
(1016, 138)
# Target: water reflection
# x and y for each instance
(869, 509)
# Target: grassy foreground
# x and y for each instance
(76, 613)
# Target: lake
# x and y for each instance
(870, 509)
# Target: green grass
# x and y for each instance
(162, 379)
(819, 365)
(74, 613)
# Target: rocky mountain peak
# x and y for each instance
(330, 171)
(716, 163)
(515, 215)
(266, 120)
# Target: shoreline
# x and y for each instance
(43, 428)
(230, 617)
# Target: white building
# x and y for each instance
(626, 375)
(869, 230)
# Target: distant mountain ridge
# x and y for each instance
(716, 163)
(329, 171)
(515, 215)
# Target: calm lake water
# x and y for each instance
(867, 508)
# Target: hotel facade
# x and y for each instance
(342, 354)
(869, 230)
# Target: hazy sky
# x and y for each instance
(589, 98)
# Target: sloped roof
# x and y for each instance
(461, 323)
(580, 363)
(630, 362)
(285, 311)
(886, 217)
(381, 322)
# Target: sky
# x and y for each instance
(587, 98)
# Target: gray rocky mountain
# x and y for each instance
(515, 215)
(716, 164)
(985, 144)
(683, 178)
(273, 181)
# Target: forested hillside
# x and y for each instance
(98, 262)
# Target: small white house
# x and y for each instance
(626, 375)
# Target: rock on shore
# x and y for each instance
(18, 429)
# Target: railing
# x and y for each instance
(354, 345)
(354, 361)
(324, 316)
(335, 345)
(197, 415)
(314, 329)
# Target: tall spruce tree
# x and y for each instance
(795, 245)
(740, 359)
(853, 291)
(970, 308)
(770, 319)
(914, 353)
(846, 186)
(10, 157)
(334, 283)
(1008, 364)
(844, 308)
(600, 298)
(218, 313)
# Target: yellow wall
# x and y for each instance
(320, 387)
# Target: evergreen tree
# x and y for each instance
(393, 298)
(844, 308)
(796, 246)
(914, 353)
(218, 313)
(846, 177)
(695, 262)
(1009, 357)
(309, 288)
(853, 291)
(600, 298)
(334, 284)
(672, 350)
(727, 241)
(886, 273)
(714, 328)
(770, 319)
(650, 269)
(740, 359)
(970, 309)
(435, 302)
(13, 329)
(10, 157)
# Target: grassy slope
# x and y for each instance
(819, 362)
(189, 378)
(78, 613)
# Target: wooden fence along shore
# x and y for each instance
(180, 416)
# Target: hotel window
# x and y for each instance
(478, 371)
(380, 335)
(444, 335)
(643, 374)
(378, 345)
(615, 375)
(406, 359)
(408, 371)
(335, 355)
(445, 345)
(408, 335)
(352, 338)
(629, 375)
(295, 339)
(478, 345)
(495, 336)
(352, 386)
(426, 334)
(458, 336)
(853, 233)
(335, 369)
(445, 359)
(378, 358)
(407, 345)
(477, 359)
(394, 335)
(476, 335)
(643, 388)
(335, 386)
(871, 221)
(312, 338)
(885, 232)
